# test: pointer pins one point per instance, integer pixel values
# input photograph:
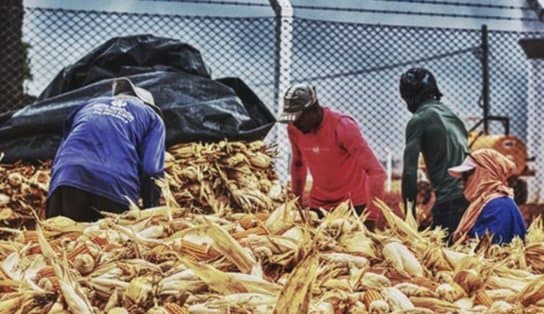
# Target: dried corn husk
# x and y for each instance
(402, 259)
(295, 296)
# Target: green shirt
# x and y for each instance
(436, 132)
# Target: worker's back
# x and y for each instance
(444, 145)
(109, 144)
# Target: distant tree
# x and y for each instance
(12, 57)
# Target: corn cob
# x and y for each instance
(397, 299)
(260, 160)
(173, 308)
(481, 297)
(45, 272)
(501, 307)
(81, 249)
(413, 290)
(450, 292)
(375, 281)
(434, 304)
(199, 251)
(534, 255)
(464, 304)
(402, 259)
(370, 296)
(379, 307)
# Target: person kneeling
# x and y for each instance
(492, 208)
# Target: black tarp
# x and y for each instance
(124, 56)
(195, 107)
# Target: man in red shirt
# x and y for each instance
(331, 146)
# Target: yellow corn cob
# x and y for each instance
(199, 251)
(379, 307)
(502, 307)
(260, 160)
(81, 249)
(233, 161)
(184, 150)
(369, 296)
(481, 297)
(450, 292)
(173, 308)
(47, 271)
(413, 290)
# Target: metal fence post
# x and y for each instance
(485, 77)
(282, 75)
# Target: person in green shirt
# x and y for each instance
(441, 137)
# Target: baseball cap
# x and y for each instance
(467, 165)
(124, 84)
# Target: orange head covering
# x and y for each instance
(488, 181)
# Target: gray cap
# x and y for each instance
(124, 84)
(297, 98)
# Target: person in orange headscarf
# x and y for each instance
(492, 208)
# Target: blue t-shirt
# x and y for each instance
(502, 218)
(112, 147)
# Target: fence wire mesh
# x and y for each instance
(354, 66)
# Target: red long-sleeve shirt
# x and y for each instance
(342, 164)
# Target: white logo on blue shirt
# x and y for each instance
(119, 103)
(115, 108)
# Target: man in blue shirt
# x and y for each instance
(112, 150)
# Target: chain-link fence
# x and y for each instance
(355, 66)
(14, 68)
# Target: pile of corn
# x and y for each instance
(223, 177)
(23, 189)
(218, 178)
(168, 260)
